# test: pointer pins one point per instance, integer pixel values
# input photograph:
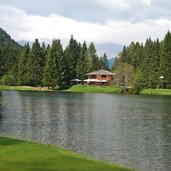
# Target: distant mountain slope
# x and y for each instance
(110, 49)
(6, 40)
(24, 42)
(110, 62)
(9, 52)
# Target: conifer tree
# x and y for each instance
(72, 53)
(165, 59)
(49, 70)
(93, 60)
(22, 66)
(147, 63)
(105, 62)
(34, 65)
(124, 56)
(81, 67)
(53, 74)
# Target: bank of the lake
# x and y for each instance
(156, 92)
(86, 89)
(20, 88)
(17, 155)
(94, 89)
(74, 88)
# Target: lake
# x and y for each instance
(132, 130)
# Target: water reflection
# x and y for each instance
(132, 130)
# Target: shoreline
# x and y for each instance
(26, 155)
(162, 92)
(87, 89)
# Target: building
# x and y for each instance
(100, 77)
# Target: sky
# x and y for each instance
(100, 21)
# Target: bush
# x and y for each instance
(8, 80)
(168, 86)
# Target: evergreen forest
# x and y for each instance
(139, 65)
(46, 65)
(145, 65)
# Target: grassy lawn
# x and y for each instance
(156, 91)
(94, 89)
(23, 88)
(18, 155)
(18, 88)
(74, 88)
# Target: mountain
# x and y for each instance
(23, 42)
(111, 49)
(9, 52)
(6, 40)
(110, 62)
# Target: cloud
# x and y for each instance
(146, 2)
(115, 4)
(96, 10)
(23, 26)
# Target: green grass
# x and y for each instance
(74, 88)
(156, 91)
(23, 88)
(94, 89)
(18, 155)
(18, 88)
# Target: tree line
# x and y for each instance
(50, 65)
(145, 65)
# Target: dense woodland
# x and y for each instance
(50, 65)
(140, 66)
(145, 65)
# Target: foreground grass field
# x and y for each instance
(18, 155)
(156, 91)
(94, 89)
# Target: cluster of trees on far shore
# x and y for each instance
(145, 65)
(139, 65)
(49, 65)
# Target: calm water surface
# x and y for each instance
(127, 129)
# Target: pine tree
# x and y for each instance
(22, 67)
(155, 74)
(53, 72)
(105, 62)
(72, 53)
(34, 65)
(93, 60)
(49, 70)
(57, 52)
(81, 67)
(124, 55)
(165, 59)
(147, 63)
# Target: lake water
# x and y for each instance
(128, 129)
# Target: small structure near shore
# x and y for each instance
(100, 77)
(75, 81)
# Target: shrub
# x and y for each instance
(168, 86)
(8, 80)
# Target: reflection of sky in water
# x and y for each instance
(132, 130)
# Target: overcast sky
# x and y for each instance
(100, 21)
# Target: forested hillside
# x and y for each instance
(9, 53)
(49, 65)
(145, 65)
